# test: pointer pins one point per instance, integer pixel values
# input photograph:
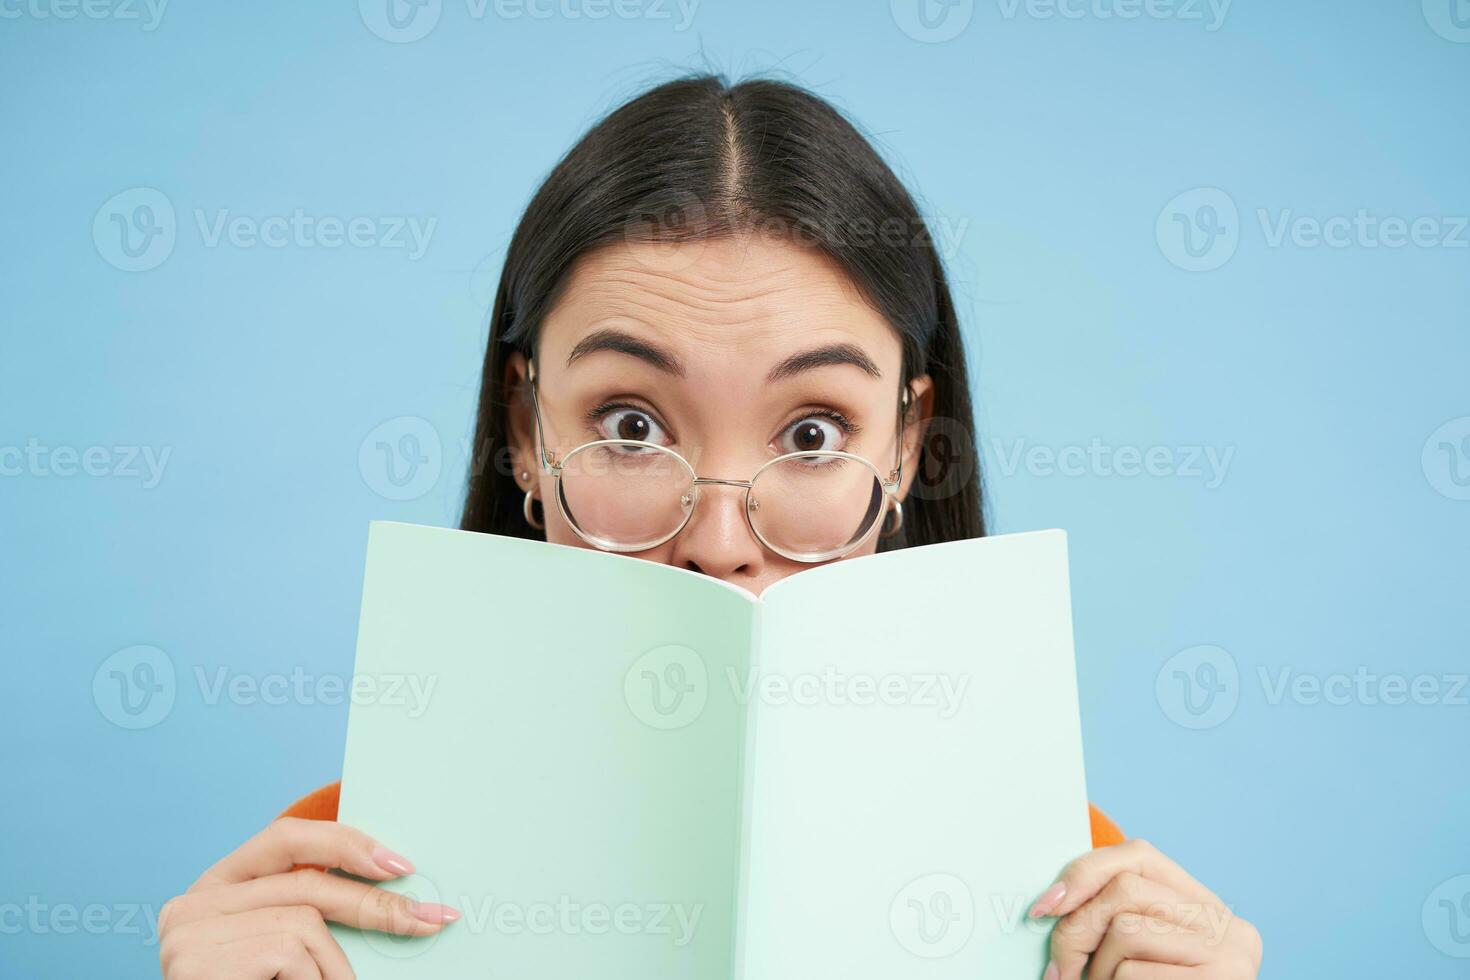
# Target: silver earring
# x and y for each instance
(528, 510)
(897, 512)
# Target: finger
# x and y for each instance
(1139, 970)
(291, 841)
(1143, 938)
(281, 956)
(338, 899)
(302, 921)
(1088, 874)
(1079, 933)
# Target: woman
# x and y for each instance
(730, 275)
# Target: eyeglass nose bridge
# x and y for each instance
(751, 504)
(747, 484)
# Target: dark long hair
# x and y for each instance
(700, 158)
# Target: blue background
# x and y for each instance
(1056, 143)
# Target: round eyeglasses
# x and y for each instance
(625, 495)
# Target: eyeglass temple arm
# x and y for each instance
(903, 407)
(547, 460)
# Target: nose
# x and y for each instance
(718, 541)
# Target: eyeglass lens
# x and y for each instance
(629, 497)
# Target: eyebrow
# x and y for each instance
(619, 342)
(660, 357)
(824, 357)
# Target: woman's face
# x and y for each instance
(707, 348)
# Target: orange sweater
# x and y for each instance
(322, 805)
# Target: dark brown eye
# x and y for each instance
(633, 425)
(810, 435)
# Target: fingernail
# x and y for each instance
(1049, 901)
(1052, 973)
(389, 861)
(435, 914)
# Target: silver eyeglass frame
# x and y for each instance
(553, 467)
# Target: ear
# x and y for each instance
(916, 426)
(520, 423)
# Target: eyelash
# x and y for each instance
(595, 416)
(849, 428)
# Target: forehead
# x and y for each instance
(720, 304)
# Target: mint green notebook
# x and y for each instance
(619, 769)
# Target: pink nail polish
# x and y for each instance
(389, 861)
(431, 913)
(1050, 900)
(1052, 973)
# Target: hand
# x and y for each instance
(1139, 916)
(250, 917)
